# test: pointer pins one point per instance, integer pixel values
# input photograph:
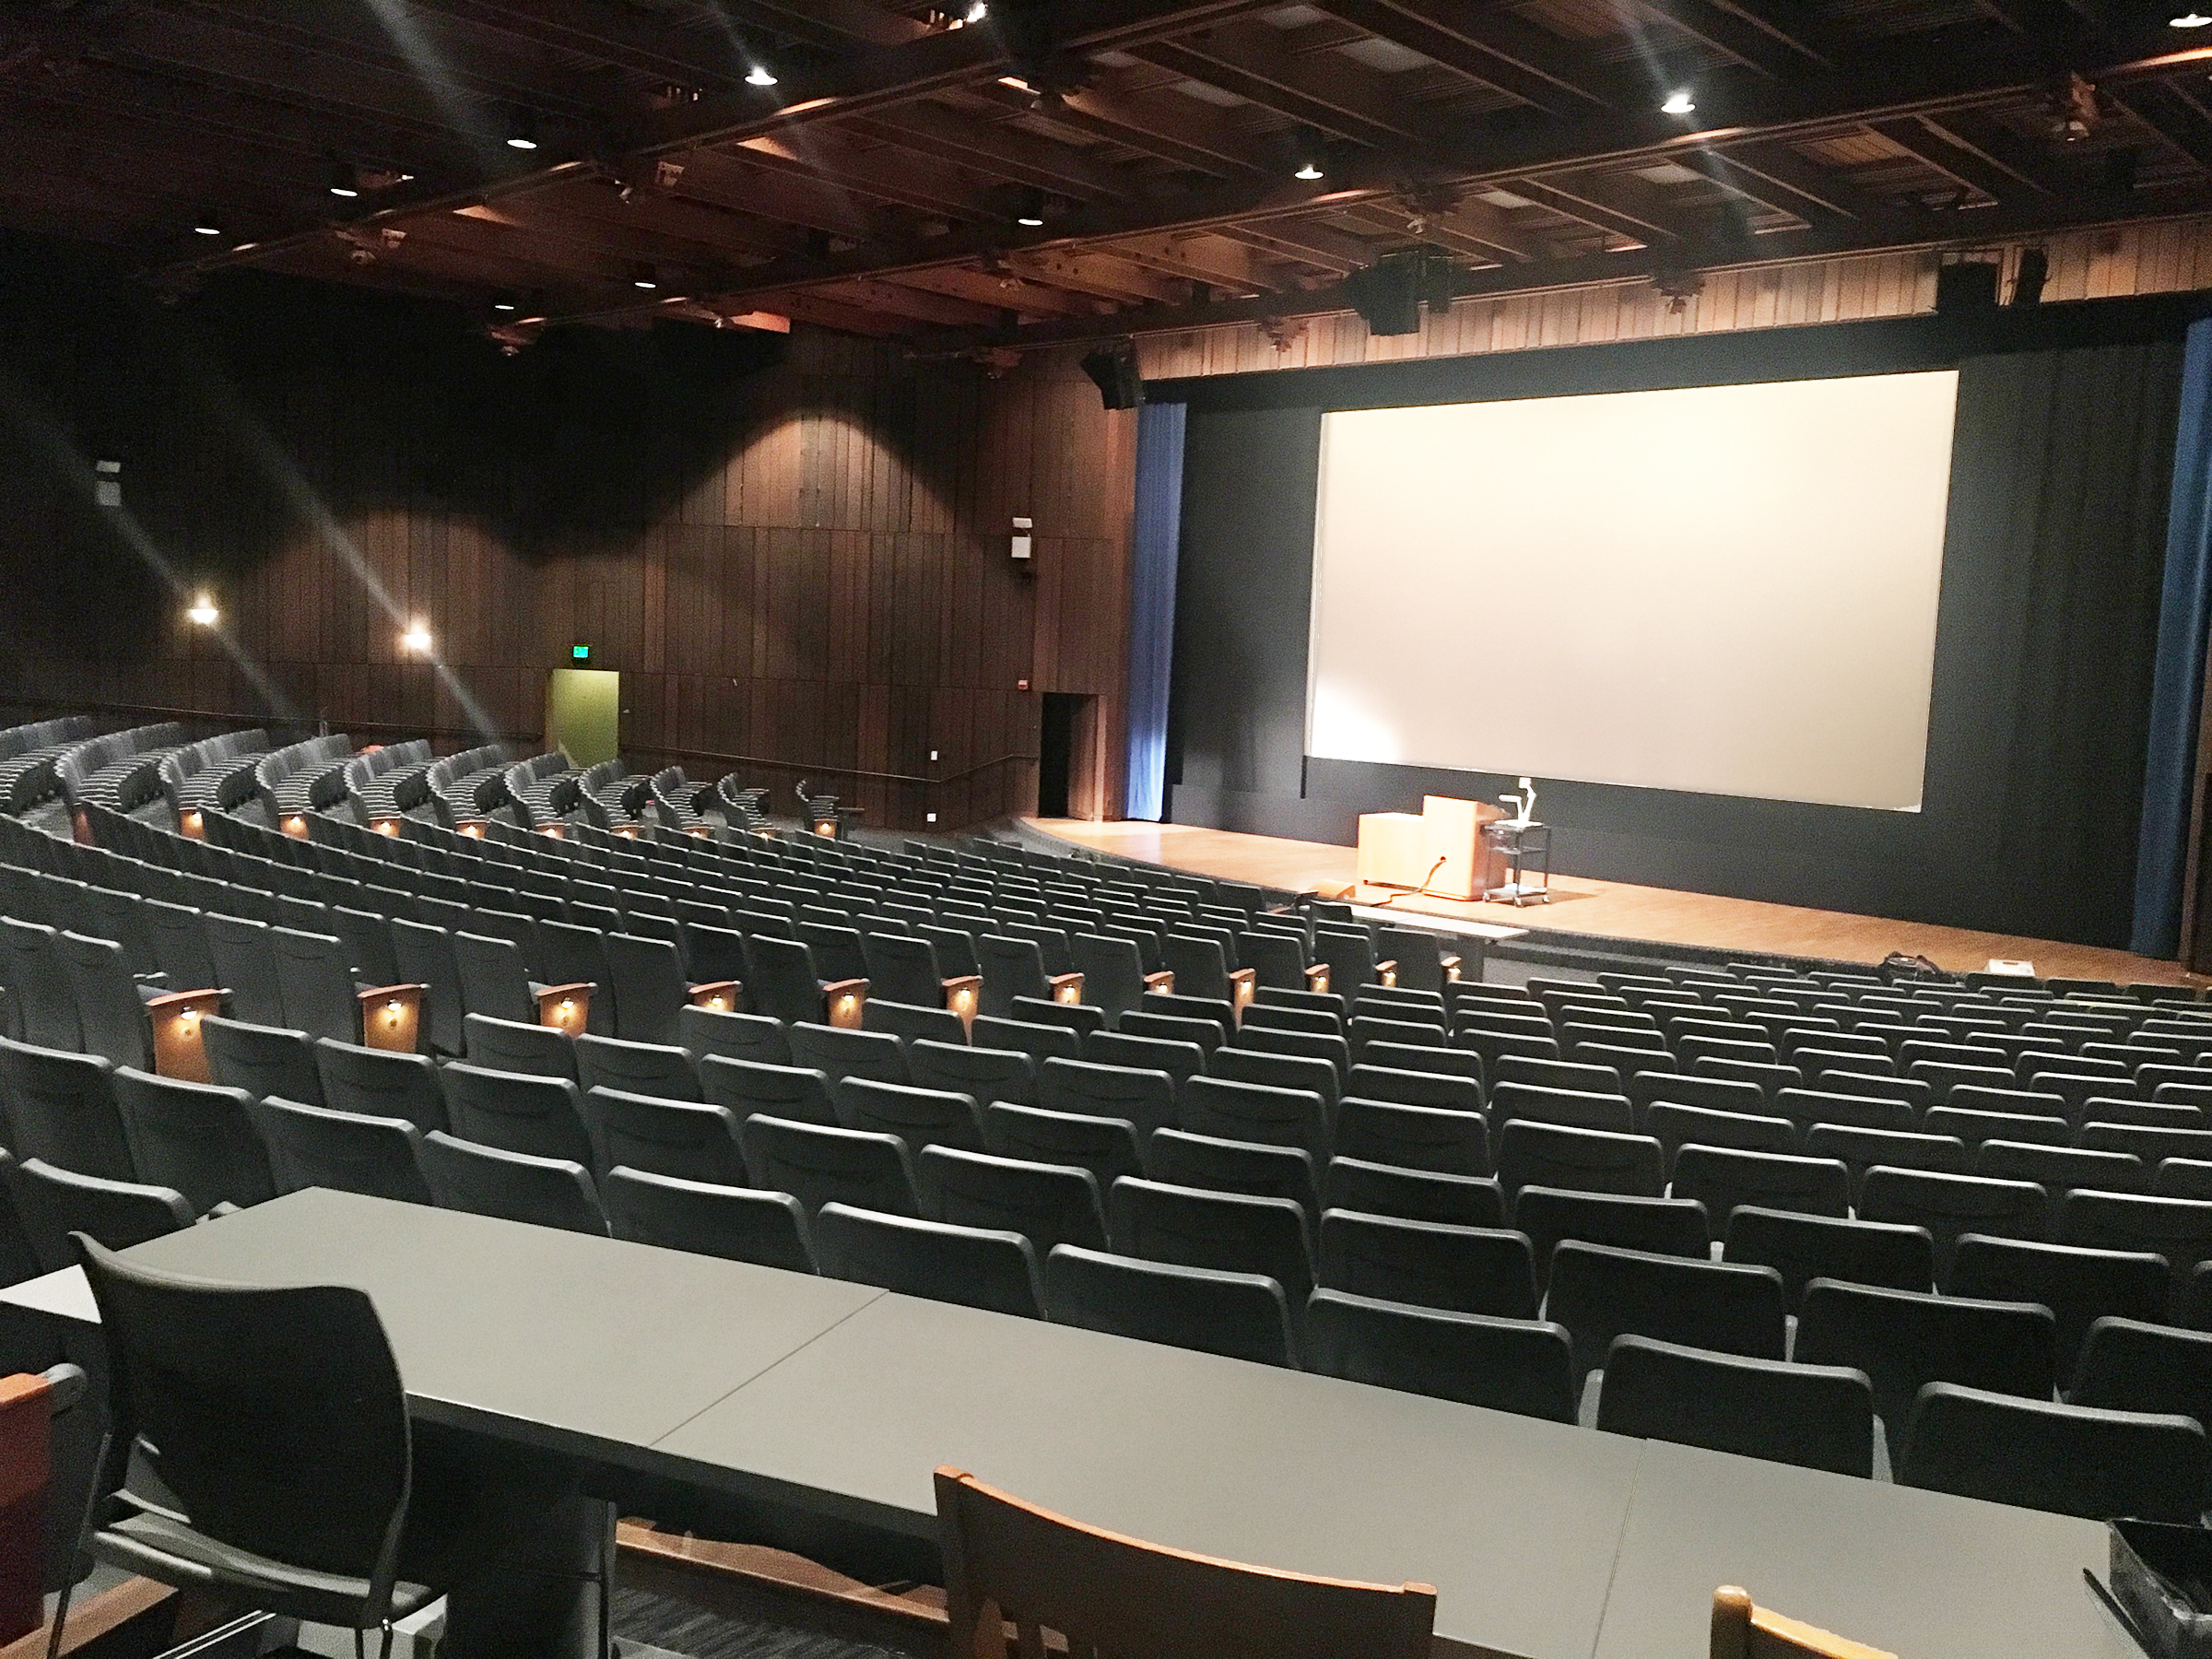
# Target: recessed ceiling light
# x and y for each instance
(202, 613)
(646, 278)
(1678, 103)
(502, 305)
(206, 227)
(978, 12)
(521, 130)
(2188, 19)
(760, 75)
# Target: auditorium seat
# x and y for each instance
(1353, 1183)
(920, 1117)
(1723, 1178)
(1413, 1136)
(195, 1139)
(2178, 1229)
(2059, 1169)
(841, 1054)
(380, 1083)
(349, 1152)
(2079, 1285)
(1582, 1160)
(2138, 1365)
(1253, 1111)
(519, 1045)
(516, 1112)
(54, 1202)
(60, 1107)
(987, 1074)
(1524, 1366)
(1080, 1018)
(1820, 1417)
(797, 1093)
(1902, 1339)
(1572, 1109)
(1951, 1205)
(1859, 1150)
(1429, 1264)
(637, 1068)
(1106, 1147)
(513, 1187)
(1307, 1045)
(1717, 1094)
(736, 1223)
(1048, 1204)
(1159, 1222)
(2073, 1460)
(820, 1165)
(2175, 1178)
(1144, 1097)
(1662, 1226)
(704, 1031)
(1599, 1293)
(977, 1268)
(1241, 1315)
(1256, 1169)
(659, 1135)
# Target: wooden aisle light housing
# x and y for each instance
(1163, 980)
(180, 1046)
(1386, 973)
(385, 825)
(1067, 987)
(826, 827)
(472, 828)
(565, 1007)
(963, 995)
(26, 1450)
(719, 997)
(1317, 976)
(1449, 961)
(845, 999)
(391, 1017)
(295, 825)
(193, 824)
(1244, 985)
(558, 831)
(1741, 1630)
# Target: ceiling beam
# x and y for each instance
(1493, 49)
(1751, 35)
(1336, 95)
(1783, 177)
(1941, 146)
(1004, 152)
(2175, 113)
(1607, 203)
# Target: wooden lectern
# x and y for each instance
(1400, 849)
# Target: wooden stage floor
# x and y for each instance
(1614, 909)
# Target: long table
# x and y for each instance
(1543, 1541)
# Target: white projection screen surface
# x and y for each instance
(1729, 590)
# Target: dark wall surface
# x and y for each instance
(2046, 626)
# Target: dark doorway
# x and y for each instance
(1056, 751)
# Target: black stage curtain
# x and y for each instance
(2046, 630)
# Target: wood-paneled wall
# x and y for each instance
(795, 552)
(2153, 257)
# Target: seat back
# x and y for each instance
(649, 985)
(514, 1186)
(347, 1152)
(1598, 1293)
(1413, 1137)
(820, 1165)
(1046, 1203)
(517, 1111)
(377, 1083)
(703, 1032)
(1378, 1189)
(493, 978)
(61, 1107)
(1231, 1232)
(1429, 1264)
(1905, 1340)
(1106, 1148)
(736, 1223)
(1519, 1365)
(979, 1267)
(642, 1068)
(2074, 1460)
(1803, 1248)
(1817, 1416)
(656, 1136)
(111, 1020)
(193, 1137)
(54, 1202)
(516, 1045)
(1243, 1315)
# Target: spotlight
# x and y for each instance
(2188, 19)
(343, 182)
(760, 75)
(521, 130)
(202, 613)
(1029, 215)
(205, 226)
(416, 640)
(645, 277)
(1308, 156)
(1679, 103)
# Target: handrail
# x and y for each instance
(476, 738)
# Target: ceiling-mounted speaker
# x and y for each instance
(1966, 288)
(1388, 295)
(1113, 368)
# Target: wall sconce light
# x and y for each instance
(846, 998)
(566, 1007)
(180, 1048)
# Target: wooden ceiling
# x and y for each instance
(880, 185)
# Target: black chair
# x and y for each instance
(513, 1187)
(53, 1204)
(2178, 1229)
(736, 1223)
(1905, 1340)
(516, 1112)
(975, 1266)
(1353, 1184)
(1568, 1108)
(1599, 1293)
(1675, 1227)
(1254, 1168)
(193, 1137)
(1428, 1264)
(379, 1083)
(920, 1117)
(797, 1093)
(425, 957)
(1227, 1231)
(1724, 1179)
(60, 1108)
(347, 1152)
(987, 1073)
(1180, 1061)
(1803, 1248)
(2134, 1365)
(703, 1032)
(1519, 1365)
(1255, 1112)
(206, 1485)
(655, 1136)
(1587, 1160)
(1105, 1147)
(1952, 1206)
(1241, 1315)
(2073, 1460)
(841, 1053)
(2080, 1286)
(819, 1165)
(1047, 1204)
(1144, 1098)
(2059, 1169)
(38, 986)
(266, 1061)
(1413, 1137)
(1042, 1040)
(1820, 1417)
(663, 1070)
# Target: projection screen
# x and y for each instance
(1729, 590)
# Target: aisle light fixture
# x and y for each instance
(1679, 103)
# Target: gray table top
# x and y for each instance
(1512, 1520)
(1921, 1574)
(572, 1342)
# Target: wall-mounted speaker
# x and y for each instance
(1965, 288)
(1113, 371)
(2028, 282)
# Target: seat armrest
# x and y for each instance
(1065, 987)
(391, 1016)
(1162, 980)
(721, 996)
(843, 1000)
(564, 1008)
(179, 1049)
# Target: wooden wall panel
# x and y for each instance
(799, 567)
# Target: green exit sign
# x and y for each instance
(583, 653)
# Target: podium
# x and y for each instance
(1401, 849)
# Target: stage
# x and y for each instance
(1612, 910)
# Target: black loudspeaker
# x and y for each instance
(2035, 270)
(1113, 371)
(1387, 296)
(1965, 288)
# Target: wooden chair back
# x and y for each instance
(24, 1441)
(1741, 1630)
(1007, 1562)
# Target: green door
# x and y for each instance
(583, 714)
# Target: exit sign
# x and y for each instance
(583, 653)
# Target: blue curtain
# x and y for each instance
(2170, 763)
(1159, 429)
